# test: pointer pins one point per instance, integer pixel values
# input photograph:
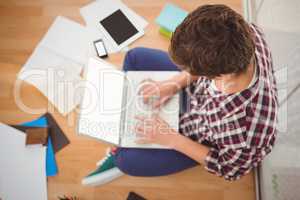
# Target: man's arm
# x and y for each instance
(192, 149)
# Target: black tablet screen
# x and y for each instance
(119, 27)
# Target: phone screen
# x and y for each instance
(100, 48)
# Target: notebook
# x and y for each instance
(170, 17)
(111, 101)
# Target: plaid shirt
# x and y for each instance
(239, 128)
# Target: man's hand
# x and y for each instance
(154, 130)
(157, 93)
(157, 131)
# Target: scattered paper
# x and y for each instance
(68, 39)
(22, 174)
(55, 65)
(54, 76)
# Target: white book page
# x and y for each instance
(69, 39)
(135, 106)
(23, 170)
(55, 77)
(55, 65)
(101, 107)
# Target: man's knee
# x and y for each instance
(125, 162)
(130, 58)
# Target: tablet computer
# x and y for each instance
(119, 30)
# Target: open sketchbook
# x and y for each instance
(111, 101)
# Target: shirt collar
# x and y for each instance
(230, 103)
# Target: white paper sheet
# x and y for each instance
(22, 171)
(97, 10)
(55, 65)
(101, 107)
(67, 38)
(56, 78)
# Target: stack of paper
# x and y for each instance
(170, 17)
(22, 172)
(94, 12)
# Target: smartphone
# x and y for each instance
(134, 196)
(100, 48)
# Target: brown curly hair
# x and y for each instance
(211, 41)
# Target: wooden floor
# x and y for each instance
(22, 25)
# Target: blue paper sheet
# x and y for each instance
(40, 122)
(170, 17)
(51, 166)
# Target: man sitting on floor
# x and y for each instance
(228, 122)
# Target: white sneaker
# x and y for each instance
(106, 172)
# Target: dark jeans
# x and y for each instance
(150, 162)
